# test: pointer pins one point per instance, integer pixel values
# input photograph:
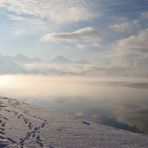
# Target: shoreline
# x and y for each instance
(23, 125)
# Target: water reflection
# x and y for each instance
(121, 103)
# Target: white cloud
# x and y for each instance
(16, 18)
(131, 52)
(59, 11)
(145, 14)
(63, 68)
(125, 26)
(20, 32)
(80, 38)
(137, 42)
(31, 25)
(81, 33)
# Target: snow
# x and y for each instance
(24, 126)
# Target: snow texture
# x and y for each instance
(24, 126)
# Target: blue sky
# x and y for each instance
(113, 32)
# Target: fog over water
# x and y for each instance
(119, 102)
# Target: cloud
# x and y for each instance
(63, 11)
(130, 54)
(62, 68)
(20, 32)
(88, 31)
(125, 26)
(81, 38)
(16, 18)
(31, 25)
(145, 14)
(135, 43)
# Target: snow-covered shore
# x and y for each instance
(24, 126)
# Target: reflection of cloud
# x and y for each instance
(141, 85)
(79, 114)
(61, 100)
(113, 122)
(138, 85)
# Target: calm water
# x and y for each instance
(117, 102)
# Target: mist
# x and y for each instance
(120, 102)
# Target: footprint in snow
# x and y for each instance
(87, 123)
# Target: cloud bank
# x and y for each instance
(130, 54)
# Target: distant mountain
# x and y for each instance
(8, 66)
(82, 61)
(60, 60)
(24, 59)
(19, 64)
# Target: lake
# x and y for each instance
(118, 102)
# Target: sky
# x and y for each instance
(112, 34)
